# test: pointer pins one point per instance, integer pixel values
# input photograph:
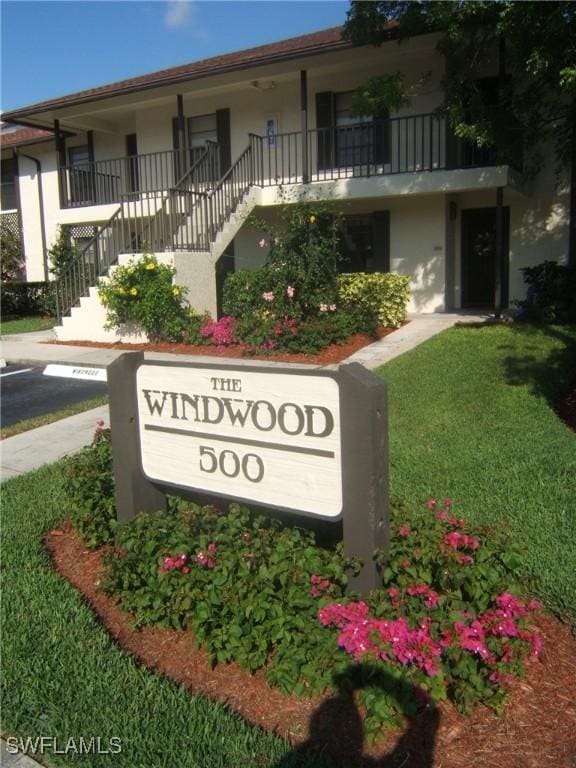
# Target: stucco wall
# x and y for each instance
(417, 243)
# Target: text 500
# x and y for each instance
(230, 464)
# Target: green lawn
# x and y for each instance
(26, 324)
(49, 418)
(63, 677)
(471, 418)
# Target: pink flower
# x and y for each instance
(447, 503)
(290, 291)
(393, 593)
(404, 531)
(212, 549)
(268, 296)
(332, 307)
(323, 307)
(262, 243)
(431, 504)
(465, 559)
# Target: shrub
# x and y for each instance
(142, 292)
(300, 274)
(62, 253)
(448, 621)
(90, 483)
(377, 294)
(551, 295)
(22, 299)
(12, 263)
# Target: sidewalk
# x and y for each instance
(30, 450)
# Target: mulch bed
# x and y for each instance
(538, 726)
(566, 407)
(333, 354)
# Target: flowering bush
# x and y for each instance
(142, 292)
(265, 595)
(299, 277)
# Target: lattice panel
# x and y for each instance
(83, 231)
(12, 223)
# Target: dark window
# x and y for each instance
(354, 134)
(81, 175)
(8, 198)
(346, 140)
(365, 243)
(202, 129)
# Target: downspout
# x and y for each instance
(41, 205)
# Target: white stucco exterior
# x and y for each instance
(424, 198)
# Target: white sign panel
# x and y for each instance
(75, 372)
(271, 438)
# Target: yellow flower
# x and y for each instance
(134, 291)
(312, 219)
(121, 291)
(150, 265)
(175, 291)
(104, 300)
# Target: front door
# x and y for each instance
(479, 257)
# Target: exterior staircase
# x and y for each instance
(187, 226)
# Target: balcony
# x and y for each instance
(109, 181)
(400, 145)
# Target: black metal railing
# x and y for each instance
(106, 181)
(188, 216)
(91, 263)
(153, 227)
(410, 144)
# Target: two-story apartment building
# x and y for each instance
(177, 159)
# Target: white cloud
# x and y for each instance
(179, 13)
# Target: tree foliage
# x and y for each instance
(12, 258)
(535, 43)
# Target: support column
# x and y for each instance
(61, 152)
(499, 247)
(304, 124)
(91, 176)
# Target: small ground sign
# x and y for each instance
(255, 435)
(307, 441)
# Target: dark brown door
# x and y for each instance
(479, 257)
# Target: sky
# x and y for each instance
(54, 47)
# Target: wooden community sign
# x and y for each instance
(309, 443)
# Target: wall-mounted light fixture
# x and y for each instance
(263, 85)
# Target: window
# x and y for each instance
(81, 175)
(354, 134)
(202, 129)
(8, 199)
(346, 140)
(365, 242)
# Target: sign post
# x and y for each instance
(305, 441)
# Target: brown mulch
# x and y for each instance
(538, 727)
(566, 407)
(333, 354)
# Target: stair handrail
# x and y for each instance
(212, 148)
(79, 274)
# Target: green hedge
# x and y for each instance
(21, 298)
(376, 293)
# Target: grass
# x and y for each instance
(27, 324)
(471, 418)
(64, 677)
(48, 418)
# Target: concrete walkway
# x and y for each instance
(30, 450)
